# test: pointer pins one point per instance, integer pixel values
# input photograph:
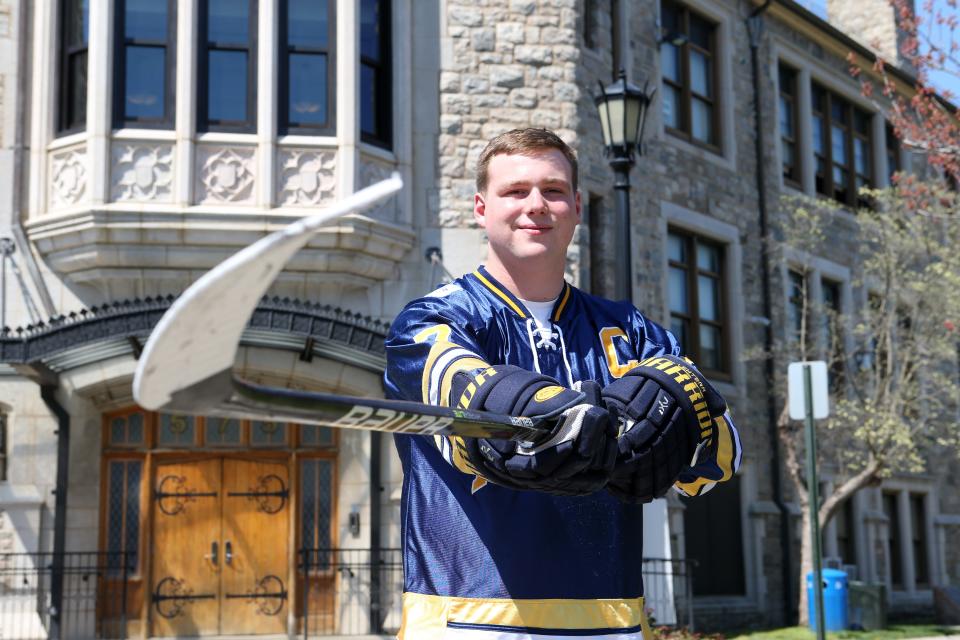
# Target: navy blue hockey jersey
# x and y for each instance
(484, 561)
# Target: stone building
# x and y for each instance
(143, 142)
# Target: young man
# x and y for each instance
(540, 540)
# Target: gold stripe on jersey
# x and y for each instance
(425, 616)
(499, 293)
(563, 302)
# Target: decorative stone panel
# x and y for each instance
(306, 177)
(141, 172)
(371, 172)
(226, 174)
(68, 177)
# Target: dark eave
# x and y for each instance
(121, 328)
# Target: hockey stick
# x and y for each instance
(187, 364)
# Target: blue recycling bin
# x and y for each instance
(835, 593)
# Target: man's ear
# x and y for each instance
(479, 209)
(579, 207)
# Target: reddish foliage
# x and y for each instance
(925, 122)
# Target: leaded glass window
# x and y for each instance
(312, 435)
(222, 432)
(842, 145)
(127, 430)
(177, 431)
(316, 506)
(268, 434)
(123, 515)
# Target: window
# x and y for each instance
(893, 539)
(74, 33)
(227, 65)
(789, 149)
(589, 23)
(718, 551)
(307, 44)
(797, 307)
(893, 151)
(376, 108)
(832, 335)
(842, 146)
(600, 266)
(689, 75)
(3, 447)
(146, 31)
(123, 515)
(316, 504)
(697, 301)
(918, 525)
(846, 542)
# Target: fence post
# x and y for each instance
(123, 606)
(305, 562)
(689, 590)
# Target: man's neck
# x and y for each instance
(533, 282)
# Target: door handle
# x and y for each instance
(212, 556)
(228, 553)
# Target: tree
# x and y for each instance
(926, 121)
(893, 358)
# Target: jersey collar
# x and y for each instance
(513, 302)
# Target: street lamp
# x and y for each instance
(623, 109)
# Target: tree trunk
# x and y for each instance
(806, 566)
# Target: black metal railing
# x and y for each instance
(668, 591)
(93, 600)
(349, 591)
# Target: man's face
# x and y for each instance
(529, 208)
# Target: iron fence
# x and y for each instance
(668, 591)
(349, 591)
(73, 595)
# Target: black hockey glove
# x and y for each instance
(666, 412)
(575, 458)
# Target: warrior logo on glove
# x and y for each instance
(693, 385)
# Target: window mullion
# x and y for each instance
(693, 297)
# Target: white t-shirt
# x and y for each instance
(541, 312)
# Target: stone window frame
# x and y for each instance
(810, 70)
(168, 120)
(903, 488)
(817, 271)
(724, 154)
(850, 114)
(674, 216)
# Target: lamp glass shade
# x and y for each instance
(620, 128)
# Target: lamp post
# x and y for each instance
(623, 109)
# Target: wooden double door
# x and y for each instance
(220, 561)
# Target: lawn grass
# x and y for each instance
(893, 632)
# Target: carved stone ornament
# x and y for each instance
(68, 183)
(306, 177)
(225, 174)
(142, 172)
(372, 172)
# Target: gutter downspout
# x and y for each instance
(755, 29)
(376, 562)
(48, 391)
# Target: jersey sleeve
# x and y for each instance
(428, 343)
(707, 469)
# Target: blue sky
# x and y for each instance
(941, 80)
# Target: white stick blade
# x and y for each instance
(199, 335)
